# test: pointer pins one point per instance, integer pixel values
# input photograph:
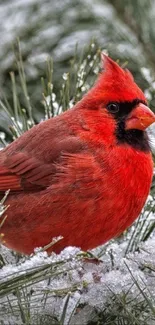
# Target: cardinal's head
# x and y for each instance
(121, 106)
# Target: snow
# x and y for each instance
(73, 281)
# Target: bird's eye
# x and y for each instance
(113, 108)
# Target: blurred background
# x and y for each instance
(33, 87)
(126, 29)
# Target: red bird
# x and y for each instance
(85, 174)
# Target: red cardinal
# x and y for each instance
(85, 174)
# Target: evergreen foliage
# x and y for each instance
(119, 291)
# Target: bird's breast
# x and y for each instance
(127, 176)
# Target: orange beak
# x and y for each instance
(140, 118)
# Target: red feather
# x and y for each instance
(69, 176)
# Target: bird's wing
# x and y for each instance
(23, 172)
(32, 170)
(79, 174)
